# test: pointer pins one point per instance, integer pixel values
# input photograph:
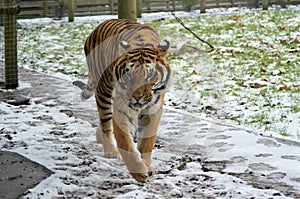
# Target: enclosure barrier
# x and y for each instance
(9, 67)
(73, 8)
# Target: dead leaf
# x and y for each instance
(296, 40)
(259, 83)
(286, 87)
(283, 41)
(194, 72)
(256, 85)
(235, 17)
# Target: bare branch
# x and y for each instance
(194, 34)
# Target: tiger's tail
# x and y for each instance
(87, 89)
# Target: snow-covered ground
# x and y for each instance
(197, 157)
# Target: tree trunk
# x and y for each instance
(127, 9)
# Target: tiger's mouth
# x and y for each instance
(137, 105)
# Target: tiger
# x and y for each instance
(128, 73)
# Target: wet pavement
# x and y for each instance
(18, 174)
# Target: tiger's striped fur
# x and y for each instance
(128, 73)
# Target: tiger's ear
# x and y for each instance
(164, 45)
(124, 45)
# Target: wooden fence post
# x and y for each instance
(139, 8)
(202, 6)
(232, 3)
(174, 5)
(10, 38)
(265, 4)
(256, 3)
(111, 4)
(71, 10)
(45, 8)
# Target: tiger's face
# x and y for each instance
(144, 75)
(139, 81)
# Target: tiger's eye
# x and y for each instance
(150, 75)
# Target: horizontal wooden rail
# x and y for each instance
(10, 10)
(51, 8)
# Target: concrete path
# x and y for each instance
(18, 174)
(196, 157)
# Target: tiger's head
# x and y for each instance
(142, 75)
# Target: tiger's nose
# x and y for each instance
(137, 97)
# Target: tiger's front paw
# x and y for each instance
(151, 171)
(140, 177)
(138, 170)
(112, 154)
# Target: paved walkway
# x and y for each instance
(196, 157)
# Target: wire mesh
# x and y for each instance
(8, 44)
(1, 55)
(1, 46)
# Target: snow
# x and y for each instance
(45, 133)
(66, 145)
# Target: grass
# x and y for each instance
(258, 57)
(252, 78)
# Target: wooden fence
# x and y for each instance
(60, 8)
